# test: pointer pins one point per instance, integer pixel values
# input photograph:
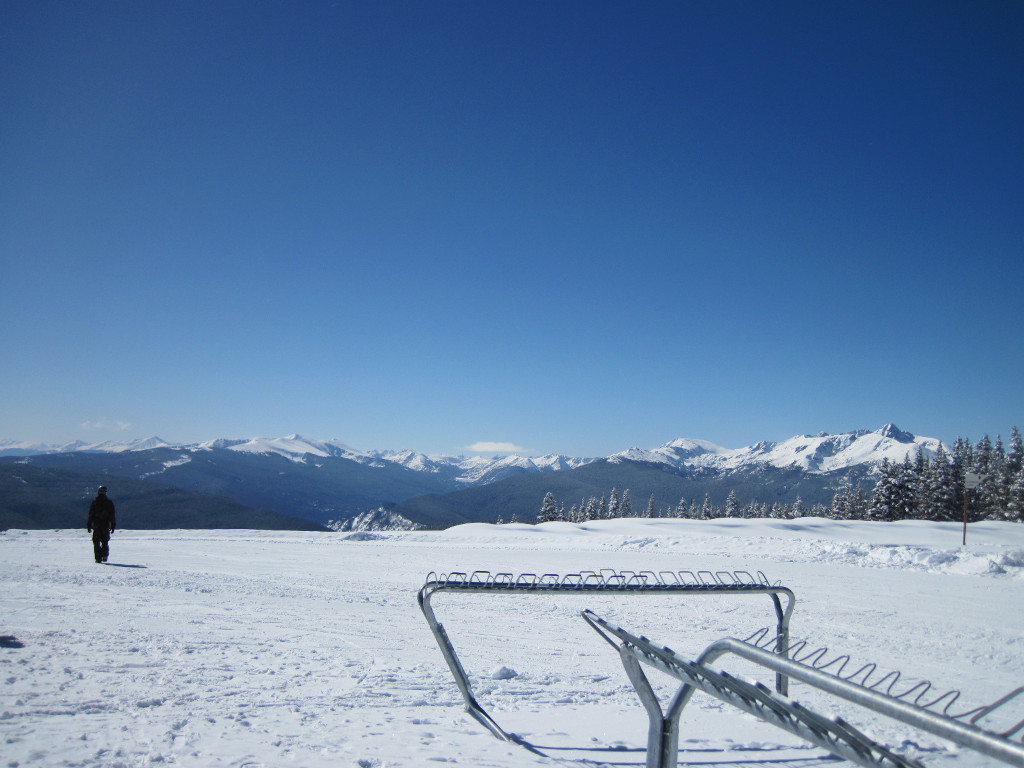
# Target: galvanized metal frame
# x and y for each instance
(835, 735)
(606, 582)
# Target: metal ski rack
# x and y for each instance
(607, 582)
(911, 706)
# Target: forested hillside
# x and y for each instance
(47, 497)
(918, 488)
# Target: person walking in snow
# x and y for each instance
(101, 524)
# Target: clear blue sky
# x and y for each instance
(570, 226)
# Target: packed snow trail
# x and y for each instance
(252, 648)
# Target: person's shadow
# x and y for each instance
(125, 565)
(10, 641)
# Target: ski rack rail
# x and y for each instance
(606, 581)
(911, 706)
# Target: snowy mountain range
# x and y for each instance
(814, 454)
(287, 481)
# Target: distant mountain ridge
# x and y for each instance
(815, 454)
(471, 470)
(811, 453)
(329, 482)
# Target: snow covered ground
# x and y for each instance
(254, 648)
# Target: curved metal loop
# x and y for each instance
(605, 578)
(921, 693)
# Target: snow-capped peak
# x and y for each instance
(811, 453)
(679, 452)
(107, 446)
(893, 432)
(694, 447)
(293, 447)
(828, 453)
(143, 444)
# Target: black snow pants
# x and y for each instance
(101, 545)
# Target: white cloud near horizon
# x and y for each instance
(119, 426)
(485, 446)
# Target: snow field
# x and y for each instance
(253, 648)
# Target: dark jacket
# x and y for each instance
(101, 516)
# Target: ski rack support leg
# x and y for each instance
(663, 726)
(782, 636)
(455, 666)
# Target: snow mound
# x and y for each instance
(960, 561)
(503, 673)
(362, 536)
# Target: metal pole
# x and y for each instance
(966, 735)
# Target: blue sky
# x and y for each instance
(570, 227)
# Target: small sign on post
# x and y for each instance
(971, 481)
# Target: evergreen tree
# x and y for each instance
(917, 482)
(797, 510)
(1015, 454)
(998, 455)
(983, 456)
(909, 486)
(1000, 493)
(650, 507)
(548, 509)
(885, 502)
(732, 505)
(984, 498)
(963, 461)
(707, 511)
(858, 504)
(1001, 482)
(613, 504)
(1013, 478)
(1015, 503)
(839, 509)
(626, 505)
(940, 496)
(920, 462)
(963, 455)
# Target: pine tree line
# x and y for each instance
(593, 508)
(934, 489)
(918, 488)
(611, 506)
